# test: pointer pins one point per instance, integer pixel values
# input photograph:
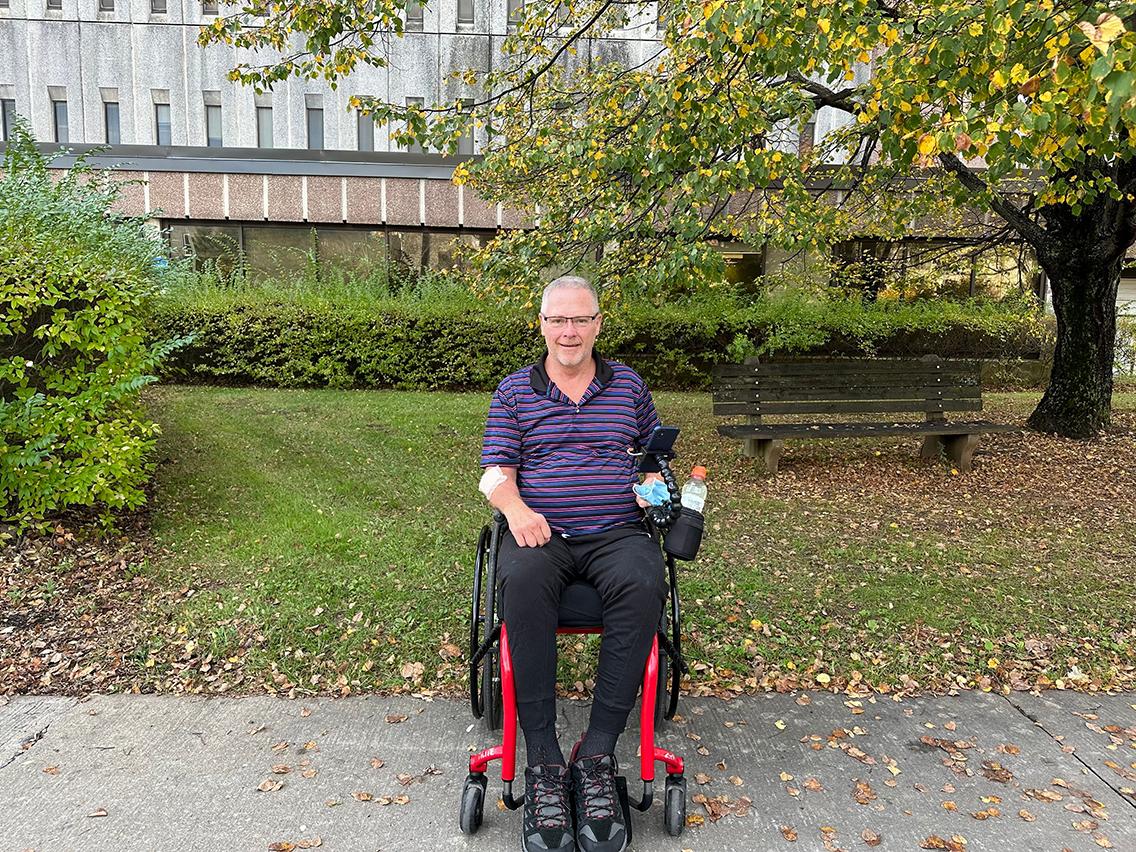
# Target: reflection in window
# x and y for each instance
(414, 16)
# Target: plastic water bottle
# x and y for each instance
(694, 492)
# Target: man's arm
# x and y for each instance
(529, 528)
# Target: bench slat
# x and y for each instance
(862, 430)
(841, 368)
(763, 393)
(846, 406)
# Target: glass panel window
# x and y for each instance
(465, 11)
(110, 122)
(416, 148)
(366, 133)
(162, 135)
(7, 118)
(465, 144)
(264, 127)
(55, 5)
(158, 7)
(315, 128)
(414, 19)
(3, 4)
(515, 7)
(59, 119)
(213, 126)
(209, 7)
(106, 5)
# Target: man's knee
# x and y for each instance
(528, 574)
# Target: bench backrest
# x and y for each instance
(848, 386)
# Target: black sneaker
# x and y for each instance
(599, 814)
(548, 810)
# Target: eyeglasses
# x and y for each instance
(577, 322)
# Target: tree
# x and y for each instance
(1021, 109)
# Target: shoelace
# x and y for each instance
(550, 797)
(598, 793)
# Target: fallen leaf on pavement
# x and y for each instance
(1026, 815)
(813, 785)
(269, 785)
(309, 844)
(701, 778)
(101, 812)
(870, 837)
(957, 843)
(789, 833)
(281, 846)
(362, 796)
(51, 770)
(863, 792)
(377, 763)
(395, 718)
(281, 769)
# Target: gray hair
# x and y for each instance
(568, 282)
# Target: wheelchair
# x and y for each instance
(491, 694)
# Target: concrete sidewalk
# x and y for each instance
(155, 773)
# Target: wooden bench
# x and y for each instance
(827, 386)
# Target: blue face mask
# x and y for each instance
(654, 492)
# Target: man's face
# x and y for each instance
(570, 344)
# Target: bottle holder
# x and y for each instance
(685, 537)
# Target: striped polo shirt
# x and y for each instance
(572, 461)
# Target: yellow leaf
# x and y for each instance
(927, 145)
(824, 25)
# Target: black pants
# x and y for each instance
(626, 568)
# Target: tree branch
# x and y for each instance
(1031, 232)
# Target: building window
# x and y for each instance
(3, 4)
(515, 7)
(465, 12)
(59, 120)
(808, 135)
(663, 14)
(315, 128)
(162, 124)
(366, 133)
(106, 5)
(7, 117)
(158, 7)
(414, 17)
(209, 7)
(264, 127)
(465, 144)
(110, 123)
(416, 148)
(54, 5)
(213, 125)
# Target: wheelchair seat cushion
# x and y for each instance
(581, 607)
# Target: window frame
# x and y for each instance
(310, 113)
(168, 123)
(7, 117)
(56, 124)
(220, 137)
(261, 113)
(117, 122)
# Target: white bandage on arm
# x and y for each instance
(492, 477)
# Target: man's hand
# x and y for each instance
(647, 478)
(529, 528)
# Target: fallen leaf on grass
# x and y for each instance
(870, 837)
(269, 785)
(789, 833)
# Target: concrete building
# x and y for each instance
(218, 165)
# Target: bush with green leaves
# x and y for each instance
(75, 281)
(448, 338)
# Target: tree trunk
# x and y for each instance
(1084, 276)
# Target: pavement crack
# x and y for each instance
(26, 745)
(1104, 779)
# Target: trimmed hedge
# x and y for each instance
(305, 343)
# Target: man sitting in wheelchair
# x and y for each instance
(557, 466)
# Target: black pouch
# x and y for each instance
(685, 536)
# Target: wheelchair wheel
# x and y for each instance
(663, 682)
(472, 803)
(478, 619)
(674, 805)
(491, 700)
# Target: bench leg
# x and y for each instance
(960, 449)
(932, 447)
(766, 449)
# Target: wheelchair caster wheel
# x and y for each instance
(674, 805)
(472, 803)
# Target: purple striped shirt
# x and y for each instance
(572, 461)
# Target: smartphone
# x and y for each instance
(661, 442)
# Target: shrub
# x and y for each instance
(76, 279)
(450, 339)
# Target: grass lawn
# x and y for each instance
(323, 541)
